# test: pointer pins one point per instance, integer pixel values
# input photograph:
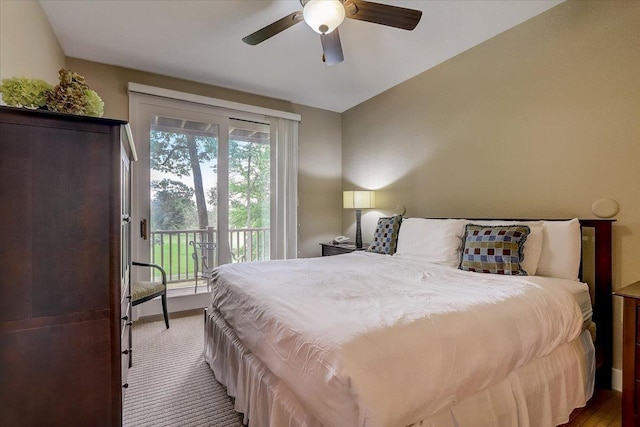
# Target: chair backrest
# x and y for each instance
(204, 259)
(203, 256)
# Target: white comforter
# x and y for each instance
(373, 340)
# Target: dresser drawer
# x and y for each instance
(332, 250)
(329, 249)
(630, 355)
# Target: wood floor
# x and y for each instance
(604, 409)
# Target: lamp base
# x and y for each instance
(358, 229)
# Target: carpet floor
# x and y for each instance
(170, 384)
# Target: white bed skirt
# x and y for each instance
(540, 394)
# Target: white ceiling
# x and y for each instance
(201, 41)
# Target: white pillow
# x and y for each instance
(561, 249)
(532, 246)
(433, 240)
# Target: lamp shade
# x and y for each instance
(323, 16)
(359, 199)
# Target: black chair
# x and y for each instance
(146, 291)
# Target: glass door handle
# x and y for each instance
(143, 229)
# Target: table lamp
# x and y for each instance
(358, 200)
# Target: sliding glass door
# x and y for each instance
(249, 183)
(203, 187)
(212, 186)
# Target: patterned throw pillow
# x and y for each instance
(497, 249)
(385, 237)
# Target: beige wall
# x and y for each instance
(111, 84)
(319, 178)
(28, 46)
(540, 121)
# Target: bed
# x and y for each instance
(418, 338)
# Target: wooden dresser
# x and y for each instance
(64, 265)
(631, 355)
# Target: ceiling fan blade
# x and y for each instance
(331, 48)
(273, 29)
(384, 14)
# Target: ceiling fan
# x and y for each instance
(324, 17)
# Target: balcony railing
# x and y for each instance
(171, 249)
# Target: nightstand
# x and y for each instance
(329, 249)
(630, 354)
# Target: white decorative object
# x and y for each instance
(605, 208)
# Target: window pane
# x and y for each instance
(183, 193)
(249, 190)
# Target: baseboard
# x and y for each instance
(175, 303)
(616, 379)
(172, 316)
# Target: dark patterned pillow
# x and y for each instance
(385, 237)
(497, 249)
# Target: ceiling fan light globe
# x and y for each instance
(324, 15)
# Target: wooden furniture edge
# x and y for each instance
(603, 297)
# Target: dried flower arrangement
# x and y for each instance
(24, 92)
(72, 95)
